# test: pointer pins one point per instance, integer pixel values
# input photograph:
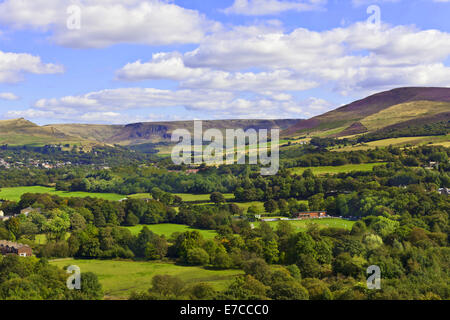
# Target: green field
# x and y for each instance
(301, 225)
(397, 142)
(14, 194)
(120, 278)
(338, 169)
(42, 238)
(167, 229)
(189, 197)
(260, 205)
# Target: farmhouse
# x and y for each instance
(311, 215)
(8, 247)
(29, 210)
(2, 216)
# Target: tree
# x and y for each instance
(258, 268)
(288, 290)
(167, 287)
(197, 257)
(246, 288)
(13, 226)
(217, 198)
(317, 289)
(91, 289)
(131, 220)
(202, 291)
(271, 206)
(221, 260)
(317, 202)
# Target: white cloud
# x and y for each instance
(171, 66)
(370, 2)
(269, 7)
(108, 22)
(13, 66)
(353, 58)
(8, 96)
(115, 105)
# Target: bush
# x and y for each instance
(197, 257)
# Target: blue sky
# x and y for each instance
(133, 60)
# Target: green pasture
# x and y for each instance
(120, 278)
(167, 229)
(337, 169)
(14, 194)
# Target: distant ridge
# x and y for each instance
(384, 111)
(21, 131)
(414, 98)
(145, 132)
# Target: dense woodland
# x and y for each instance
(403, 227)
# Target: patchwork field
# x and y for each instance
(167, 229)
(338, 169)
(14, 194)
(120, 278)
(301, 225)
(398, 142)
(189, 197)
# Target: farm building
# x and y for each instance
(29, 210)
(311, 215)
(8, 247)
(2, 216)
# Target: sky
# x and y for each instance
(126, 61)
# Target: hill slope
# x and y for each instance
(378, 111)
(21, 131)
(145, 132)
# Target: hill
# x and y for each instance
(21, 131)
(398, 108)
(153, 132)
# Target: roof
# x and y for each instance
(15, 245)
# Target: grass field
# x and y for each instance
(167, 229)
(189, 197)
(398, 142)
(301, 225)
(42, 238)
(259, 205)
(14, 194)
(338, 169)
(120, 278)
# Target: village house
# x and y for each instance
(8, 247)
(311, 215)
(29, 210)
(3, 217)
(432, 165)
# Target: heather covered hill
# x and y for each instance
(378, 111)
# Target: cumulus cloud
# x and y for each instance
(13, 66)
(171, 66)
(269, 7)
(352, 58)
(8, 96)
(113, 105)
(107, 22)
